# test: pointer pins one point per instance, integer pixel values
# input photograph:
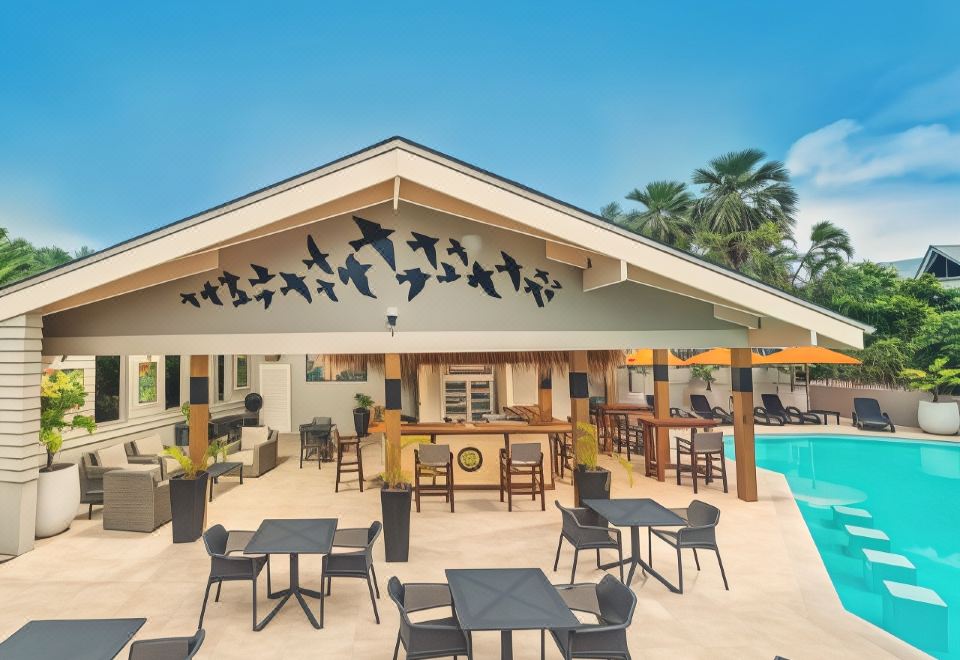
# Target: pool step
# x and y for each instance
(915, 614)
(881, 566)
(848, 515)
(861, 538)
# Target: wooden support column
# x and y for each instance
(199, 406)
(579, 398)
(661, 407)
(545, 394)
(392, 407)
(741, 380)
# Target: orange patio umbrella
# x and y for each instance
(716, 356)
(643, 357)
(805, 355)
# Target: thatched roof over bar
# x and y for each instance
(599, 361)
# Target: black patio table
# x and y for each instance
(637, 513)
(294, 537)
(218, 470)
(78, 639)
(507, 599)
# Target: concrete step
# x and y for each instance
(880, 566)
(865, 537)
(848, 515)
(915, 614)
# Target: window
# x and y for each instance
(241, 372)
(220, 381)
(106, 406)
(637, 377)
(322, 368)
(147, 382)
(171, 380)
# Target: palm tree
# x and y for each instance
(829, 247)
(741, 193)
(15, 258)
(612, 212)
(667, 214)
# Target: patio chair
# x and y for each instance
(789, 414)
(525, 459)
(257, 450)
(703, 449)
(433, 638)
(626, 434)
(433, 461)
(167, 648)
(700, 533)
(764, 418)
(582, 530)
(347, 444)
(613, 604)
(134, 500)
(357, 564)
(315, 438)
(680, 412)
(701, 406)
(151, 447)
(868, 416)
(562, 446)
(91, 483)
(649, 398)
(220, 544)
(116, 457)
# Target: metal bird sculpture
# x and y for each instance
(317, 258)
(457, 249)
(543, 275)
(355, 271)
(209, 292)
(450, 274)
(511, 267)
(266, 297)
(326, 288)
(263, 275)
(230, 280)
(426, 243)
(417, 280)
(556, 285)
(550, 293)
(241, 298)
(535, 289)
(294, 282)
(189, 298)
(377, 237)
(483, 279)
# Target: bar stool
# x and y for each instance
(562, 444)
(706, 447)
(434, 461)
(524, 459)
(346, 444)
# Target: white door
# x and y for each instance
(275, 389)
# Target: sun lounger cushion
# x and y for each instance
(253, 436)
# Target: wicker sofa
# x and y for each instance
(150, 447)
(256, 449)
(135, 500)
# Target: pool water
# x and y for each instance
(911, 489)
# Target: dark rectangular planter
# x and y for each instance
(361, 421)
(188, 505)
(395, 506)
(592, 484)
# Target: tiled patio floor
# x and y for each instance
(780, 603)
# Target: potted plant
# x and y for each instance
(361, 414)
(939, 417)
(704, 372)
(590, 481)
(188, 494)
(181, 430)
(395, 496)
(58, 484)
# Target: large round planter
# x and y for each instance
(940, 418)
(395, 506)
(361, 421)
(188, 507)
(591, 484)
(58, 498)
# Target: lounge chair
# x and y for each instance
(761, 416)
(789, 414)
(868, 416)
(702, 407)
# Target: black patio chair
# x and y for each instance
(167, 648)
(357, 564)
(868, 416)
(761, 416)
(434, 638)
(680, 412)
(706, 454)
(701, 406)
(582, 529)
(220, 544)
(649, 398)
(613, 604)
(789, 414)
(699, 534)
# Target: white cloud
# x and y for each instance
(930, 100)
(843, 153)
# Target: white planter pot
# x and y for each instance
(58, 498)
(941, 418)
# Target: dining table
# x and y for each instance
(294, 537)
(656, 454)
(77, 639)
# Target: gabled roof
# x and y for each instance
(951, 252)
(402, 165)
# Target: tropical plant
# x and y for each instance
(830, 247)
(762, 253)
(704, 372)
(937, 379)
(363, 400)
(190, 467)
(586, 448)
(185, 411)
(60, 393)
(395, 478)
(666, 216)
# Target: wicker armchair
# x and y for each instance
(135, 501)
(257, 454)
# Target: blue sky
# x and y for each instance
(119, 117)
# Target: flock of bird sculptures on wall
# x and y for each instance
(540, 286)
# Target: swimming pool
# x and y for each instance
(851, 492)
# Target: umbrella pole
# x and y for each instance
(807, 387)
